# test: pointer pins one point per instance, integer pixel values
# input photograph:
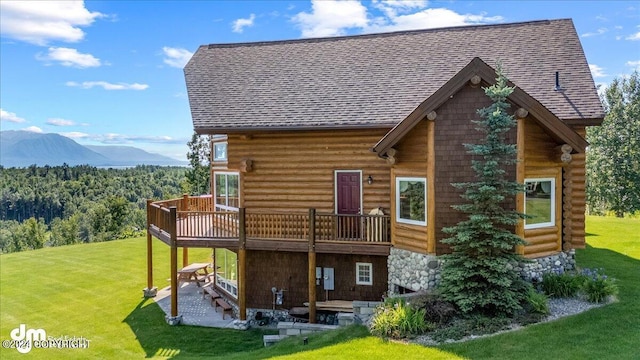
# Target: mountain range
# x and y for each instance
(24, 148)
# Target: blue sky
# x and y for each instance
(110, 72)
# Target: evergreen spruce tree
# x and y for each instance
(478, 275)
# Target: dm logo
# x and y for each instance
(24, 339)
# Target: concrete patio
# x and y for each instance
(192, 307)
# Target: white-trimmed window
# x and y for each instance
(364, 274)
(227, 190)
(411, 200)
(540, 202)
(220, 151)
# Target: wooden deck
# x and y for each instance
(192, 222)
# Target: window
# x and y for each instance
(411, 200)
(220, 151)
(364, 274)
(227, 191)
(540, 199)
(226, 273)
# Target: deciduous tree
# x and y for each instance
(199, 155)
(613, 157)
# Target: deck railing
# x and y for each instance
(208, 224)
(195, 218)
(277, 226)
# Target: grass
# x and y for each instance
(95, 291)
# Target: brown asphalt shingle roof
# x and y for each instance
(377, 80)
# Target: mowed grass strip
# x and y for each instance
(610, 332)
(95, 291)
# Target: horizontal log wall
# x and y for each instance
(539, 158)
(578, 196)
(292, 172)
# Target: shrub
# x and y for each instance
(396, 319)
(597, 286)
(440, 311)
(537, 302)
(437, 310)
(561, 285)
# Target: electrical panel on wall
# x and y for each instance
(328, 279)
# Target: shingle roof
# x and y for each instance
(377, 80)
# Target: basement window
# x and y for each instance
(540, 203)
(411, 200)
(364, 274)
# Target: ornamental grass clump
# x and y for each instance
(597, 286)
(537, 302)
(592, 283)
(561, 284)
(397, 319)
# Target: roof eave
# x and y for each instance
(268, 129)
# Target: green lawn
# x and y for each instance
(95, 291)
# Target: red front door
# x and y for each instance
(348, 203)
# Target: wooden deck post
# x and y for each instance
(185, 256)
(242, 265)
(174, 320)
(150, 290)
(184, 206)
(312, 266)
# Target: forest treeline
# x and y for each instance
(60, 205)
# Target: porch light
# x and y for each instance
(370, 180)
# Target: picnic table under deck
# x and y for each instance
(333, 305)
(191, 272)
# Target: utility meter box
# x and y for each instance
(329, 283)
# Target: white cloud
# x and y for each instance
(600, 31)
(39, 22)
(10, 117)
(391, 8)
(70, 57)
(60, 122)
(34, 129)
(176, 57)
(240, 24)
(330, 18)
(634, 64)
(113, 138)
(75, 135)
(432, 18)
(634, 37)
(107, 85)
(596, 71)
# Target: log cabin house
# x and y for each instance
(333, 158)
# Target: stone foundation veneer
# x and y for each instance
(419, 272)
(412, 270)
